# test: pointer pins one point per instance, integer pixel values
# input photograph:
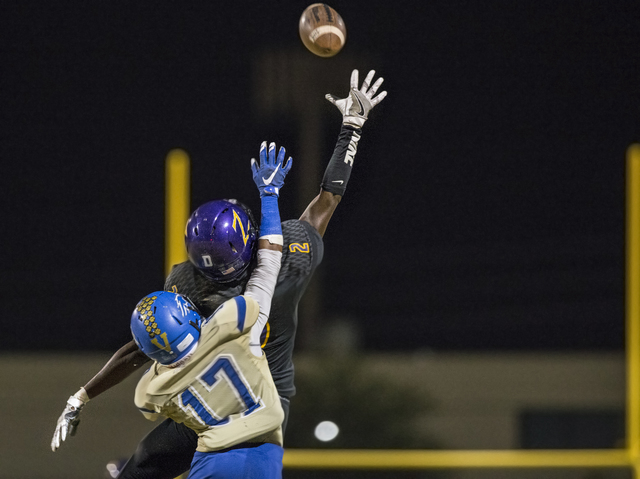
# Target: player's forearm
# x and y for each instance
(122, 364)
(335, 179)
(320, 210)
(260, 287)
(264, 277)
(338, 171)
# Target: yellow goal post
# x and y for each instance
(177, 203)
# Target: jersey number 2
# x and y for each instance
(222, 367)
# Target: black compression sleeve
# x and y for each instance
(338, 170)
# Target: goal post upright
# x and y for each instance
(177, 202)
(632, 305)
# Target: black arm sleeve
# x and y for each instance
(338, 170)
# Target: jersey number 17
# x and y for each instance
(222, 367)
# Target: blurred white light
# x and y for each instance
(326, 431)
(112, 468)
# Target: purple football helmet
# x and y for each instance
(221, 239)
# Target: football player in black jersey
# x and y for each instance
(218, 270)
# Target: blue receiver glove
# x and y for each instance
(268, 176)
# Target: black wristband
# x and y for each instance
(338, 170)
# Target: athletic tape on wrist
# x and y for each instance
(82, 395)
(270, 217)
(338, 171)
(273, 239)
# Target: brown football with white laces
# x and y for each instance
(322, 30)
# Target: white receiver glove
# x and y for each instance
(359, 103)
(69, 419)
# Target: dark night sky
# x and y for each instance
(485, 209)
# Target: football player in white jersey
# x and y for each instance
(211, 373)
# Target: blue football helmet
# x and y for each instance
(165, 326)
(221, 239)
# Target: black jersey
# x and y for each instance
(301, 253)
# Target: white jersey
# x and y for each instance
(223, 391)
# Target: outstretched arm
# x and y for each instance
(121, 365)
(268, 175)
(355, 109)
(320, 210)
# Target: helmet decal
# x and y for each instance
(165, 326)
(183, 305)
(245, 237)
(206, 260)
(146, 316)
(165, 346)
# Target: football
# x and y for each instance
(322, 30)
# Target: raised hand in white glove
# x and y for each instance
(68, 420)
(358, 104)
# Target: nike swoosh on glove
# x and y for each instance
(356, 107)
(269, 173)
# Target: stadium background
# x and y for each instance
(486, 209)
